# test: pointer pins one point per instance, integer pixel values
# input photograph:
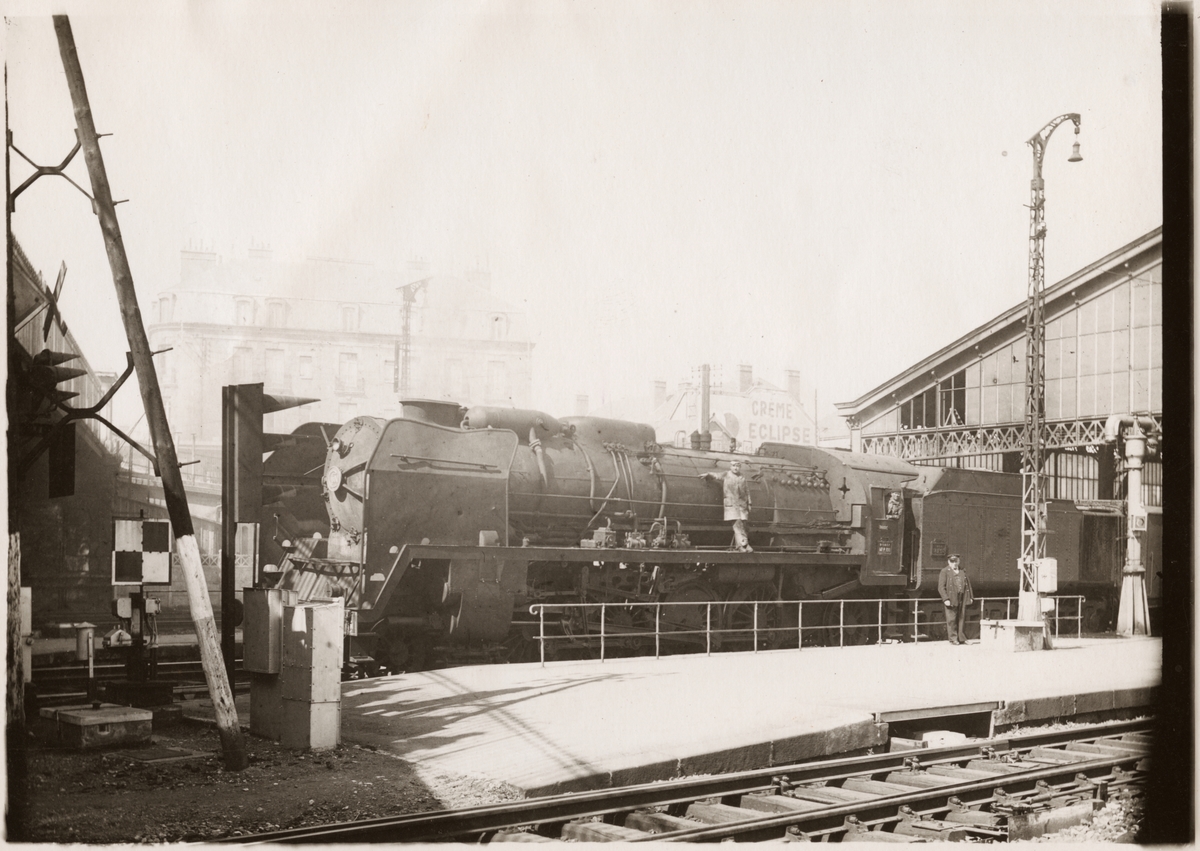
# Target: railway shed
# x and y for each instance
(964, 407)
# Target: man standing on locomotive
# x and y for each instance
(737, 502)
(955, 590)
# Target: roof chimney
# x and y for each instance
(745, 377)
(193, 264)
(793, 383)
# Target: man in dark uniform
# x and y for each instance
(955, 590)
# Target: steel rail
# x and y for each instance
(774, 826)
(473, 821)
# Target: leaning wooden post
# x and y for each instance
(232, 744)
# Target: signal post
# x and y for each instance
(243, 444)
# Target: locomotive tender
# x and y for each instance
(446, 524)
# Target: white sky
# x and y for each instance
(834, 187)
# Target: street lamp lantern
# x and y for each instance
(1075, 157)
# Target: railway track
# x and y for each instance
(1012, 788)
(60, 684)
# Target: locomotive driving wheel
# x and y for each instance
(739, 618)
(858, 622)
(692, 619)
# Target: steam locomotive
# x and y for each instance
(447, 523)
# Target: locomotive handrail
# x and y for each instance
(759, 633)
(405, 457)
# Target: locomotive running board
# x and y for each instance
(416, 552)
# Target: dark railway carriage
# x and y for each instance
(977, 514)
(446, 524)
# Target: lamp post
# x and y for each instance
(1037, 573)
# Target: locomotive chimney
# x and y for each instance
(745, 377)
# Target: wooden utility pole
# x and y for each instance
(232, 744)
(17, 760)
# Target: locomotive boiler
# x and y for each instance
(447, 523)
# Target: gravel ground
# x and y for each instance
(108, 797)
(105, 797)
(1117, 822)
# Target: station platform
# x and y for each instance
(570, 726)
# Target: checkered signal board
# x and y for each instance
(141, 552)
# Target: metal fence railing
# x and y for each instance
(760, 624)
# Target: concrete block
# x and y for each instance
(1132, 698)
(266, 706)
(1011, 635)
(315, 685)
(87, 727)
(311, 726)
(262, 629)
(667, 769)
(733, 759)
(1013, 712)
(311, 655)
(942, 738)
(1096, 701)
(896, 744)
(844, 738)
(588, 783)
(1046, 707)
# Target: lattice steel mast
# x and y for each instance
(1033, 477)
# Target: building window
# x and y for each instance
(348, 380)
(166, 308)
(497, 381)
(242, 365)
(244, 311)
(498, 326)
(166, 368)
(456, 384)
(276, 314)
(349, 317)
(920, 411)
(276, 370)
(306, 370)
(1073, 476)
(952, 399)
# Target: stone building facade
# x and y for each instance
(333, 331)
